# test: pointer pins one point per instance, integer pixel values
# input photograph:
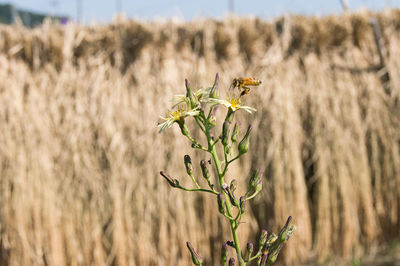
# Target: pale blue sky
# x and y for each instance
(104, 10)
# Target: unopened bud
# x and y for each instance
(213, 117)
(225, 133)
(221, 203)
(204, 170)
(253, 178)
(232, 198)
(244, 144)
(249, 248)
(235, 133)
(190, 95)
(224, 254)
(259, 184)
(232, 262)
(214, 89)
(243, 200)
(188, 164)
(263, 237)
(230, 243)
(233, 185)
(285, 229)
(170, 180)
(195, 257)
(270, 241)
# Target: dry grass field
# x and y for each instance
(80, 152)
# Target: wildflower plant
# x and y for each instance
(201, 106)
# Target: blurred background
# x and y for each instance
(82, 90)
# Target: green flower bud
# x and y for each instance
(195, 257)
(254, 178)
(249, 248)
(232, 262)
(233, 185)
(170, 180)
(221, 203)
(263, 237)
(214, 89)
(190, 95)
(270, 241)
(224, 254)
(232, 198)
(235, 132)
(225, 133)
(258, 184)
(213, 117)
(188, 164)
(243, 200)
(283, 233)
(244, 144)
(204, 170)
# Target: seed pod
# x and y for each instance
(204, 170)
(221, 203)
(195, 257)
(244, 144)
(188, 164)
(225, 133)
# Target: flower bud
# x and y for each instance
(243, 200)
(188, 164)
(253, 178)
(230, 243)
(263, 237)
(283, 234)
(204, 170)
(232, 198)
(270, 241)
(221, 203)
(244, 144)
(258, 184)
(224, 254)
(232, 262)
(213, 117)
(195, 257)
(214, 89)
(190, 95)
(233, 185)
(249, 248)
(225, 133)
(170, 180)
(235, 133)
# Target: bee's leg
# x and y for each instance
(245, 91)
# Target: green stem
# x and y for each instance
(199, 189)
(194, 181)
(227, 200)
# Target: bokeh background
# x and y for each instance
(80, 152)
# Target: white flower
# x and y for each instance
(232, 103)
(176, 116)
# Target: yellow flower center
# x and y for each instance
(176, 115)
(235, 102)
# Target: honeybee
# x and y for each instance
(242, 83)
